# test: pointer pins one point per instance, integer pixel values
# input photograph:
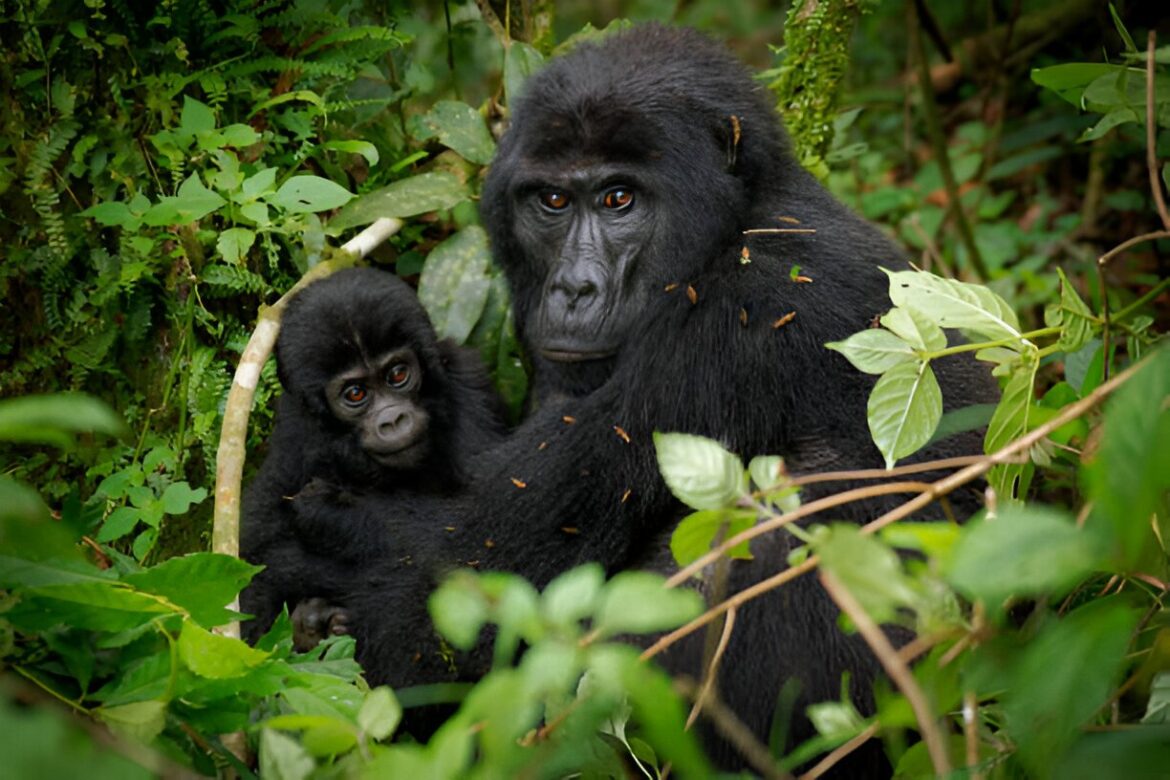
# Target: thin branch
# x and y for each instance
(493, 22)
(770, 231)
(1151, 135)
(728, 724)
(971, 732)
(942, 464)
(831, 760)
(895, 667)
(939, 142)
(937, 489)
(1129, 243)
(779, 521)
(712, 669)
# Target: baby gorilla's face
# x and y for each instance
(379, 399)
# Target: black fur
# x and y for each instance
(326, 328)
(699, 345)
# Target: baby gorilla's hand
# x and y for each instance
(315, 619)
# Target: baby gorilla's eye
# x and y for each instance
(554, 200)
(399, 375)
(354, 393)
(618, 198)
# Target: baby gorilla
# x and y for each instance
(373, 403)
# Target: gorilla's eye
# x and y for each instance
(354, 393)
(399, 375)
(554, 200)
(618, 198)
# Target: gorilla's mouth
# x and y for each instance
(413, 451)
(576, 355)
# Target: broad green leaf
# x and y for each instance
(1012, 419)
(193, 202)
(874, 351)
(405, 198)
(283, 758)
(1076, 319)
(458, 610)
(179, 497)
(520, 62)
(99, 605)
(55, 418)
(197, 117)
(767, 471)
(237, 135)
(24, 573)
(1070, 79)
(118, 523)
(233, 244)
(19, 504)
(868, 569)
(695, 535)
(220, 578)
(904, 409)
(915, 329)
(699, 471)
(142, 720)
(636, 602)
(1128, 479)
(457, 126)
(572, 596)
(213, 656)
(364, 148)
(1025, 551)
(953, 304)
(110, 213)
(310, 194)
(455, 283)
(258, 184)
(1064, 676)
(380, 713)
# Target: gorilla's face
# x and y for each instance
(585, 231)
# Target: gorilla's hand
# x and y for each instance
(316, 619)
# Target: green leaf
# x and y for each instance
(213, 656)
(1064, 676)
(111, 213)
(1012, 419)
(405, 198)
(19, 503)
(459, 611)
(100, 605)
(237, 135)
(953, 304)
(1128, 479)
(699, 471)
(220, 578)
(259, 184)
(572, 596)
(364, 148)
(915, 329)
(1070, 79)
(874, 351)
(695, 535)
(904, 409)
(457, 126)
(142, 720)
(1025, 551)
(23, 573)
(520, 62)
(196, 117)
(869, 569)
(310, 194)
(380, 713)
(193, 202)
(455, 283)
(636, 602)
(54, 419)
(233, 244)
(178, 497)
(118, 523)
(1076, 318)
(283, 758)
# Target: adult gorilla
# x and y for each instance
(617, 205)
